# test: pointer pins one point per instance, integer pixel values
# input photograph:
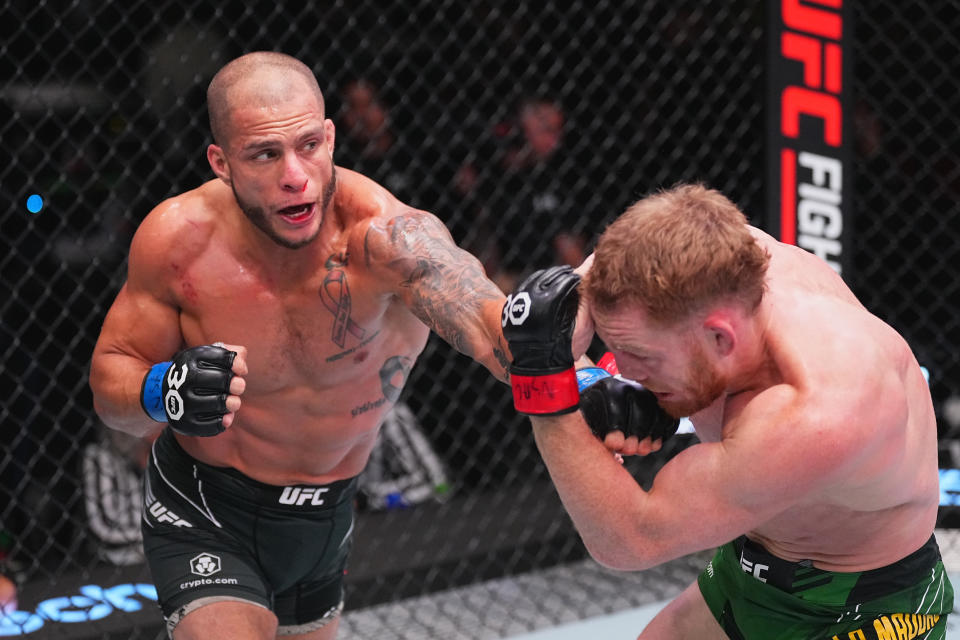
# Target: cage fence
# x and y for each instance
(102, 116)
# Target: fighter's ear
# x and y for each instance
(329, 135)
(721, 333)
(218, 162)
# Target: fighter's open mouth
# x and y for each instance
(296, 213)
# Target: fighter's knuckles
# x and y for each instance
(240, 360)
(614, 440)
(237, 385)
(631, 446)
(647, 446)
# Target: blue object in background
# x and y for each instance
(34, 203)
(949, 487)
(396, 500)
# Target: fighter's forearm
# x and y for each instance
(473, 329)
(116, 381)
(497, 359)
(602, 498)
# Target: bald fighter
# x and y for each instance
(271, 317)
(816, 475)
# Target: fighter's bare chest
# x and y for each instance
(314, 332)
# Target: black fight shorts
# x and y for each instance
(212, 534)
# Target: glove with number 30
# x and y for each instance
(190, 392)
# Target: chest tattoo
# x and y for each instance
(335, 295)
(393, 375)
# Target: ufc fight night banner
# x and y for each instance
(810, 173)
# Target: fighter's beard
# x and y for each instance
(706, 385)
(261, 220)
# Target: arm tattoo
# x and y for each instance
(501, 355)
(447, 285)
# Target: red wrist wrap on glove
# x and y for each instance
(554, 393)
(608, 363)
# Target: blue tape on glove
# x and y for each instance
(589, 376)
(152, 396)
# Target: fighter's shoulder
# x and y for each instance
(177, 228)
(796, 421)
(382, 229)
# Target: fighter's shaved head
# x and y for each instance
(260, 76)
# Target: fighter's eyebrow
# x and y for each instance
(258, 145)
(268, 143)
(313, 132)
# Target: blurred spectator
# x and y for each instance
(532, 195)
(365, 120)
(367, 141)
(370, 140)
(471, 220)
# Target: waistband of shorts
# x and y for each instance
(794, 577)
(183, 470)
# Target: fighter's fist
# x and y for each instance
(538, 323)
(196, 392)
(614, 405)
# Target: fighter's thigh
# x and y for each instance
(311, 609)
(687, 617)
(228, 620)
(196, 570)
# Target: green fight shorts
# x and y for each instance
(757, 596)
(212, 534)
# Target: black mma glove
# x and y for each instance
(538, 324)
(616, 404)
(190, 392)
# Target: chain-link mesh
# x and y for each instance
(102, 115)
(908, 183)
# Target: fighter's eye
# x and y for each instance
(266, 154)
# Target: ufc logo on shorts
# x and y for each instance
(754, 568)
(516, 310)
(162, 514)
(172, 401)
(300, 495)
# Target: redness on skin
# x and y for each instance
(189, 292)
(360, 357)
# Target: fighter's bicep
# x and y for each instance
(141, 325)
(443, 285)
(767, 462)
(697, 493)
